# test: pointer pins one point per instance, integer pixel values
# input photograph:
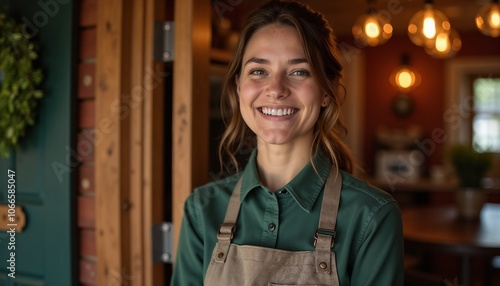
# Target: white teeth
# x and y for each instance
(278, 112)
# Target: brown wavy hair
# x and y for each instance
(321, 52)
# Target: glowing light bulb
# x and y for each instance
(372, 29)
(488, 19)
(405, 78)
(446, 45)
(442, 43)
(429, 26)
(426, 24)
(494, 18)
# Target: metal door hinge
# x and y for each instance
(163, 235)
(164, 41)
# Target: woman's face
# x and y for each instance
(279, 98)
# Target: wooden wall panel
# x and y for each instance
(127, 194)
(112, 157)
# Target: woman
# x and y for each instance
(294, 215)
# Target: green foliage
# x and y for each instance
(469, 164)
(19, 81)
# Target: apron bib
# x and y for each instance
(242, 265)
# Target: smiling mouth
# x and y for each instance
(277, 111)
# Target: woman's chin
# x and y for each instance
(281, 139)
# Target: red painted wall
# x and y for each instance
(379, 93)
(428, 97)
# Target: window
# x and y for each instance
(472, 106)
(486, 118)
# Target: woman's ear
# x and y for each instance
(326, 100)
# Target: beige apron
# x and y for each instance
(241, 265)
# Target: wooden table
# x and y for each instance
(439, 229)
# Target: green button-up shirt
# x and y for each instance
(369, 241)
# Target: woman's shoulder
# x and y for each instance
(362, 192)
(219, 184)
(214, 192)
(367, 205)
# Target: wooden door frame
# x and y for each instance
(190, 124)
(130, 131)
(129, 151)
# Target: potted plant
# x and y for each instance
(470, 166)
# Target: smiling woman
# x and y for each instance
(295, 215)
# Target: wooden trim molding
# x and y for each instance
(111, 158)
(152, 78)
(129, 153)
(190, 103)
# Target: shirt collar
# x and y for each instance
(250, 176)
(304, 188)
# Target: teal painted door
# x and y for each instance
(44, 249)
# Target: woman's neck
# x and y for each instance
(279, 164)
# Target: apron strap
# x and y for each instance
(228, 227)
(325, 234)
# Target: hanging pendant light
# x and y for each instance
(446, 45)
(426, 24)
(404, 77)
(488, 19)
(372, 28)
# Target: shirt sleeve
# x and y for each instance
(188, 266)
(380, 259)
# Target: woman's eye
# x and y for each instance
(301, 73)
(257, 72)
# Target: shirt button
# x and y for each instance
(271, 227)
(283, 192)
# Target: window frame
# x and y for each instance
(474, 113)
(457, 115)
(458, 105)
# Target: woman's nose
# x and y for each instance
(277, 87)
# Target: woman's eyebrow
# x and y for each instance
(257, 61)
(297, 61)
(265, 61)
